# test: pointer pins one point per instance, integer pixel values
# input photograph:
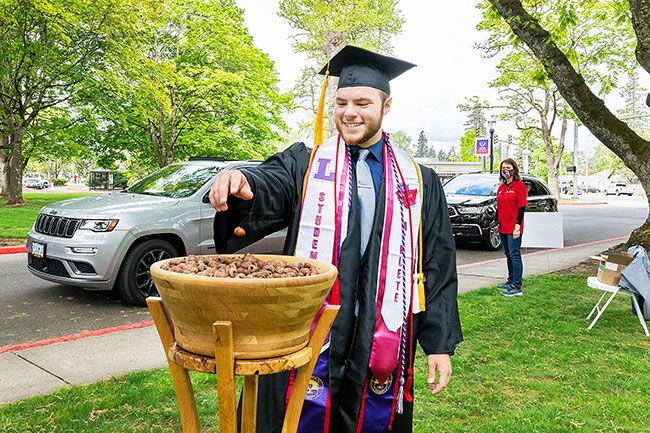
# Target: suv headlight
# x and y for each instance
(471, 209)
(98, 225)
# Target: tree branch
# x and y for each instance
(591, 110)
(641, 22)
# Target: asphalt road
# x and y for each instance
(34, 309)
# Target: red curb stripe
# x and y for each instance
(620, 238)
(12, 250)
(72, 337)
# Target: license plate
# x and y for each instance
(38, 250)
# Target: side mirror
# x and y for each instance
(206, 198)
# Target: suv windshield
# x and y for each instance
(174, 181)
(472, 185)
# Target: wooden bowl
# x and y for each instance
(270, 317)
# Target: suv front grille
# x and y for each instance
(56, 226)
(49, 266)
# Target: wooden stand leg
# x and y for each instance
(180, 375)
(249, 404)
(225, 366)
(294, 408)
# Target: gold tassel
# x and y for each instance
(421, 290)
(318, 127)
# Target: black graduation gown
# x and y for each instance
(277, 188)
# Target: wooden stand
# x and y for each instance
(225, 366)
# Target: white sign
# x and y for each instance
(543, 230)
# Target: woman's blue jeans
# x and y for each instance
(512, 250)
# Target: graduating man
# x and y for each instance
(362, 204)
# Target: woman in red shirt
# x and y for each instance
(511, 205)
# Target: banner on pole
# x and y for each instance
(482, 147)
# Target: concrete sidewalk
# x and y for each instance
(40, 370)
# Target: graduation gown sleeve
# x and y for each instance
(438, 328)
(277, 187)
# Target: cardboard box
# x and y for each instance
(610, 267)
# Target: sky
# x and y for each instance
(439, 39)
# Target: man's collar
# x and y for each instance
(376, 150)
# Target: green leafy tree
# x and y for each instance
(197, 86)
(635, 113)
(468, 145)
(605, 159)
(476, 117)
(559, 63)
(422, 150)
(595, 43)
(324, 27)
(402, 140)
(441, 156)
(47, 51)
(452, 154)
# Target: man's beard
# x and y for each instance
(371, 128)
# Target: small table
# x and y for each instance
(614, 290)
(225, 366)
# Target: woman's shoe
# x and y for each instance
(504, 286)
(512, 292)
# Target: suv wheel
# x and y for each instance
(492, 239)
(134, 282)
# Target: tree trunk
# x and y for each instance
(590, 109)
(4, 166)
(551, 165)
(16, 134)
(641, 22)
(641, 235)
(155, 143)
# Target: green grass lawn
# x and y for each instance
(16, 221)
(527, 365)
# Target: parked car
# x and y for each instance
(592, 188)
(472, 204)
(109, 241)
(567, 188)
(35, 180)
(619, 189)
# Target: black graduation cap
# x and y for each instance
(357, 67)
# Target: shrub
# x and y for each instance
(120, 180)
(60, 181)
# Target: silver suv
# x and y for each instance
(109, 241)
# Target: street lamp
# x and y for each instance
(491, 124)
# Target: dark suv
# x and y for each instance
(472, 203)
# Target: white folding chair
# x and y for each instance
(614, 290)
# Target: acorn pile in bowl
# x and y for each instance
(271, 300)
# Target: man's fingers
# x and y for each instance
(244, 189)
(443, 380)
(431, 379)
(216, 199)
(229, 182)
(439, 365)
(222, 191)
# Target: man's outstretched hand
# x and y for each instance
(440, 366)
(229, 182)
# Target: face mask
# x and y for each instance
(507, 173)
